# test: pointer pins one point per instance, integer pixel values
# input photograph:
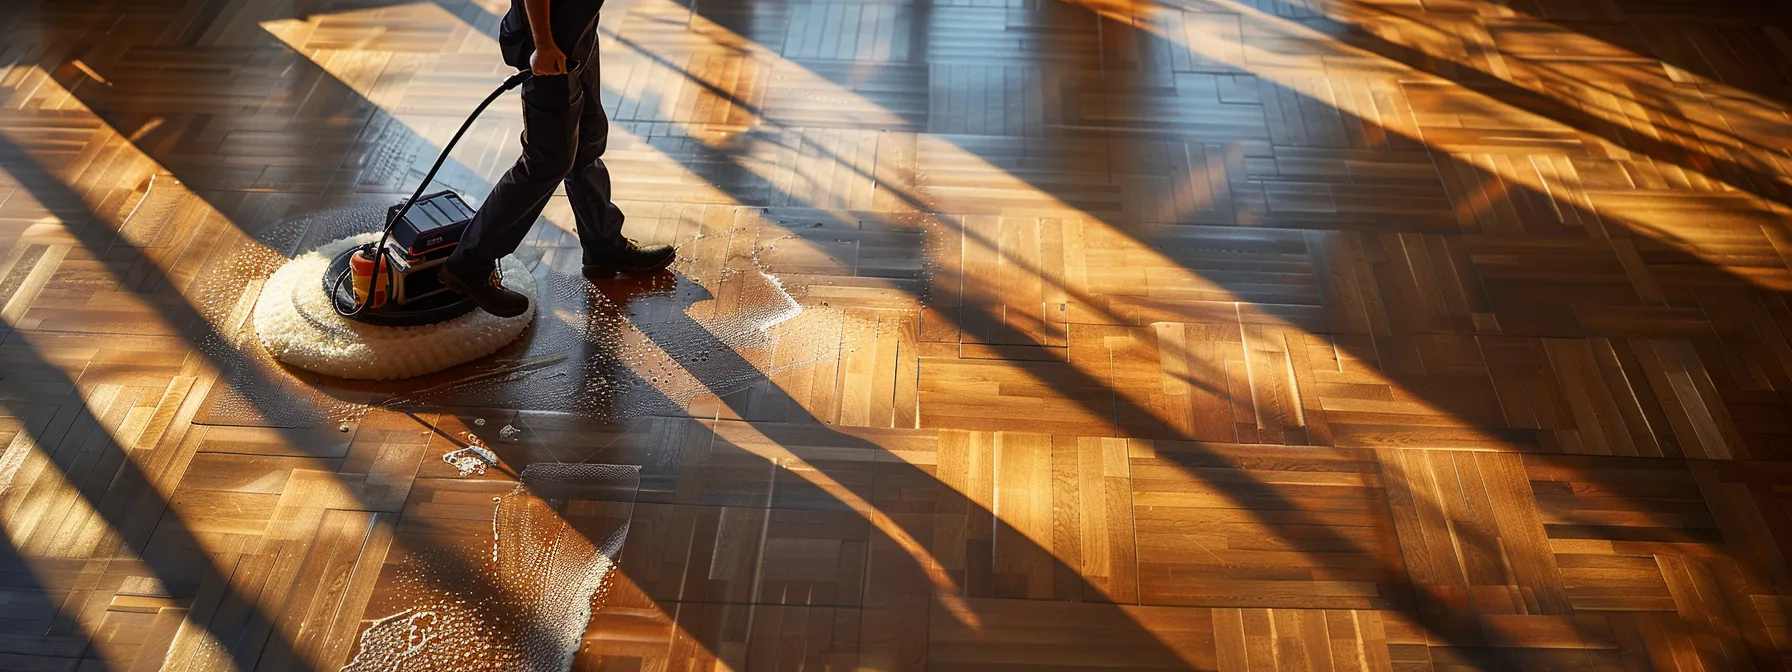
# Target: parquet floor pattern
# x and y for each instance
(1137, 334)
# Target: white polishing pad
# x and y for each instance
(297, 324)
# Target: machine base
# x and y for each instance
(296, 321)
(428, 310)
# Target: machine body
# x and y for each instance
(404, 272)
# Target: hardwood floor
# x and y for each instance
(1007, 334)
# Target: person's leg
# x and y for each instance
(599, 221)
(550, 135)
(551, 118)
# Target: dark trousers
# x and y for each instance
(564, 135)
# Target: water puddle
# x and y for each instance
(523, 602)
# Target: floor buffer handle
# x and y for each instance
(374, 251)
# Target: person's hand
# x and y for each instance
(548, 60)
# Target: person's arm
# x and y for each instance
(547, 59)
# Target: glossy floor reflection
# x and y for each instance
(1056, 334)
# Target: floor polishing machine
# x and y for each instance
(394, 281)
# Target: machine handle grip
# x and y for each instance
(511, 82)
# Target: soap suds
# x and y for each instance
(523, 604)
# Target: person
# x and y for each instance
(564, 135)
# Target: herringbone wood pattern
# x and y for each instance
(1137, 334)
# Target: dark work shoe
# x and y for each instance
(629, 258)
(489, 292)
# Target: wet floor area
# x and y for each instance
(514, 596)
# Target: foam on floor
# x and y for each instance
(520, 603)
(297, 325)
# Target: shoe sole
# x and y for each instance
(454, 284)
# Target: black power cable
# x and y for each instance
(376, 250)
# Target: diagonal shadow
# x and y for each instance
(1466, 73)
(32, 613)
(1772, 80)
(127, 499)
(125, 260)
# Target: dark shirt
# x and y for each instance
(573, 22)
